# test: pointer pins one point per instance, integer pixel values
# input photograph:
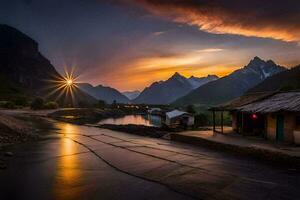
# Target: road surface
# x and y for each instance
(80, 162)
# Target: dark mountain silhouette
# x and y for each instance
(233, 85)
(131, 94)
(106, 94)
(24, 71)
(197, 82)
(165, 92)
(284, 81)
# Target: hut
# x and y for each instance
(275, 116)
(155, 111)
(177, 118)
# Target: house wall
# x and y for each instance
(289, 126)
(234, 121)
(176, 120)
(271, 127)
(168, 121)
(191, 121)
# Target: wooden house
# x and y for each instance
(177, 118)
(275, 116)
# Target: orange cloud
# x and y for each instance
(146, 70)
(259, 18)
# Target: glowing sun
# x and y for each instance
(65, 85)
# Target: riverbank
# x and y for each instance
(17, 128)
(13, 130)
(93, 116)
(85, 115)
(149, 131)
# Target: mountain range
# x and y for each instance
(165, 92)
(107, 94)
(25, 72)
(131, 94)
(231, 86)
(285, 81)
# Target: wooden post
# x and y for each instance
(222, 121)
(242, 128)
(266, 126)
(238, 122)
(214, 121)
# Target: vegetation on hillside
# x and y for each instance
(284, 81)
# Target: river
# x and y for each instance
(146, 120)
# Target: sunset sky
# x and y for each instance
(128, 44)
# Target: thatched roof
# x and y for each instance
(264, 102)
(285, 101)
(241, 101)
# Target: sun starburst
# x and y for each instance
(65, 86)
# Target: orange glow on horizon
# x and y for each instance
(144, 71)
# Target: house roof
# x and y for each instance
(285, 101)
(154, 109)
(175, 113)
(241, 101)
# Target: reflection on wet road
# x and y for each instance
(67, 172)
(90, 163)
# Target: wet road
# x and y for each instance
(80, 162)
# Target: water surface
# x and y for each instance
(146, 120)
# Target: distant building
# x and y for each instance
(177, 118)
(154, 110)
(275, 116)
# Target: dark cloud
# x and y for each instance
(127, 44)
(275, 19)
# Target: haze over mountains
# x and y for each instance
(107, 94)
(165, 92)
(131, 94)
(233, 85)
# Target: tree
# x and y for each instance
(190, 109)
(201, 120)
(114, 104)
(101, 104)
(37, 103)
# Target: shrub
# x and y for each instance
(190, 109)
(37, 104)
(21, 101)
(84, 104)
(201, 120)
(7, 104)
(2, 104)
(114, 104)
(51, 105)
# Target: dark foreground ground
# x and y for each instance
(79, 162)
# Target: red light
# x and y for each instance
(254, 116)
